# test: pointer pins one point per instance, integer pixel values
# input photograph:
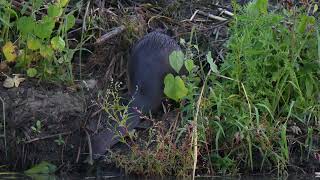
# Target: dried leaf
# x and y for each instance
(13, 82)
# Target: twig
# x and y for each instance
(212, 16)
(110, 34)
(194, 14)
(90, 147)
(226, 12)
(195, 129)
(47, 137)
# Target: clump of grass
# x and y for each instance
(267, 92)
(157, 155)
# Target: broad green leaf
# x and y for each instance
(10, 51)
(25, 25)
(57, 43)
(189, 65)
(176, 59)
(174, 87)
(46, 51)
(54, 10)
(31, 72)
(213, 66)
(70, 21)
(44, 28)
(33, 44)
(42, 168)
(63, 3)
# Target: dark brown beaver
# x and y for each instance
(147, 67)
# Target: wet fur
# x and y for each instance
(147, 66)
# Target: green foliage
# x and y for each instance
(213, 66)
(42, 43)
(176, 59)
(37, 127)
(59, 141)
(174, 87)
(189, 65)
(268, 83)
(42, 168)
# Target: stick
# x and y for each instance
(110, 35)
(47, 137)
(226, 12)
(212, 16)
(195, 129)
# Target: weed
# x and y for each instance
(59, 141)
(269, 81)
(37, 127)
(40, 47)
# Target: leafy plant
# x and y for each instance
(37, 127)
(42, 48)
(59, 141)
(42, 168)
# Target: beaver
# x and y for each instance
(147, 66)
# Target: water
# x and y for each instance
(113, 177)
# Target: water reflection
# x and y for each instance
(117, 177)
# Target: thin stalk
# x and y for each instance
(195, 129)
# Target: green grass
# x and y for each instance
(272, 86)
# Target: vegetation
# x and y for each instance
(257, 111)
(38, 47)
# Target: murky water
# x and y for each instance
(112, 177)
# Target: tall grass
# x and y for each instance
(272, 87)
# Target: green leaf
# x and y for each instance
(46, 51)
(63, 3)
(213, 66)
(44, 28)
(196, 47)
(54, 10)
(176, 59)
(304, 22)
(33, 44)
(58, 43)
(37, 4)
(42, 168)
(174, 87)
(70, 21)
(315, 8)
(31, 72)
(25, 25)
(189, 65)
(262, 6)
(38, 123)
(10, 51)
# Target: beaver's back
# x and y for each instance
(147, 67)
